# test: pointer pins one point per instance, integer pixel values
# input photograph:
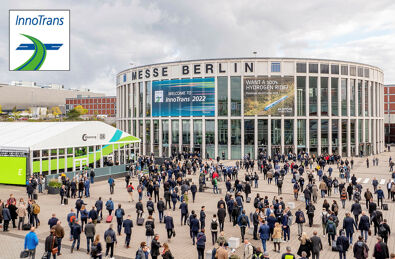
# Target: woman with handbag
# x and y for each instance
(51, 245)
(96, 250)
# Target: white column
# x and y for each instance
(356, 137)
(269, 133)
(242, 137)
(282, 134)
(308, 135)
(229, 138)
(348, 138)
(319, 135)
(256, 137)
(330, 135)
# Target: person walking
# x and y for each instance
(6, 217)
(161, 208)
(76, 232)
(243, 221)
(194, 225)
(149, 229)
(111, 183)
(384, 231)
(90, 232)
(59, 233)
(202, 217)
(110, 238)
(300, 220)
(349, 225)
(310, 213)
(184, 212)
(342, 245)
(99, 208)
(316, 246)
(221, 214)
(169, 225)
(201, 243)
(356, 210)
(127, 226)
(360, 249)
(51, 245)
(264, 234)
(110, 206)
(277, 236)
(380, 249)
(31, 243)
(214, 228)
(380, 196)
(96, 251)
(288, 254)
(305, 245)
(248, 250)
(155, 245)
(364, 226)
(119, 213)
(255, 222)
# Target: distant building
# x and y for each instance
(389, 113)
(100, 106)
(25, 95)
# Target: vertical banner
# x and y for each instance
(269, 95)
(183, 97)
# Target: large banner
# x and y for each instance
(269, 95)
(183, 97)
(13, 170)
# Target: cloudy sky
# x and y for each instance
(106, 36)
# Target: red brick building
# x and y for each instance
(105, 105)
(389, 113)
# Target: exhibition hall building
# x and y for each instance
(235, 107)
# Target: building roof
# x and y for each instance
(51, 135)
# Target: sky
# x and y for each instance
(107, 37)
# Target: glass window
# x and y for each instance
(148, 136)
(156, 137)
(148, 99)
(235, 139)
(223, 138)
(366, 98)
(210, 139)
(288, 132)
(313, 93)
(367, 131)
(344, 137)
(301, 133)
(324, 133)
(352, 97)
(335, 135)
(186, 136)
(344, 70)
(334, 69)
(300, 67)
(165, 132)
(344, 96)
(235, 84)
(366, 72)
(352, 132)
(324, 96)
(175, 131)
(276, 132)
(324, 68)
(276, 67)
(197, 132)
(371, 99)
(141, 130)
(313, 130)
(313, 68)
(360, 97)
(222, 96)
(334, 96)
(141, 99)
(360, 135)
(262, 132)
(301, 94)
(249, 137)
(353, 71)
(360, 71)
(135, 102)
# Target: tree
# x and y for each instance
(81, 110)
(56, 111)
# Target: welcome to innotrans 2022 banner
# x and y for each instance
(183, 97)
(269, 95)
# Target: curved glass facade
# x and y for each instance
(330, 107)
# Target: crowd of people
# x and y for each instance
(166, 187)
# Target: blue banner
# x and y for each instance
(183, 97)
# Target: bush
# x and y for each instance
(54, 183)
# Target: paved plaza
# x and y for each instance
(11, 243)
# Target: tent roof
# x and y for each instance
(47, 135)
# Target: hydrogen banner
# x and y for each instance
(183, 97)
(269, 96)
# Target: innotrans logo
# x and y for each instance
(39, 40)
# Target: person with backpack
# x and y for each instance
(384, 231)
(149, 229)
(360, 249)
(150, 206)
(331, 230)
(214, 229)
(96, 249)
(214, 182)
(90, 231)
(84, 217)
(110, 239)
(76, 232)
(51, 245)
(342, 245)
(110, 206)
(36, 211)
(243, 221)
(119, 213)
(380, 249)
(129, 189)
(201, 243)
(78, 205)
(280, 185)
(300, 220)
(111, 183)
(310, 213)
(71, 217)
(128, 225)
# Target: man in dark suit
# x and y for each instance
(356, 210)
(316, 245)
(169, 224)
(348, 225)
(127, 225)
(194, 224)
